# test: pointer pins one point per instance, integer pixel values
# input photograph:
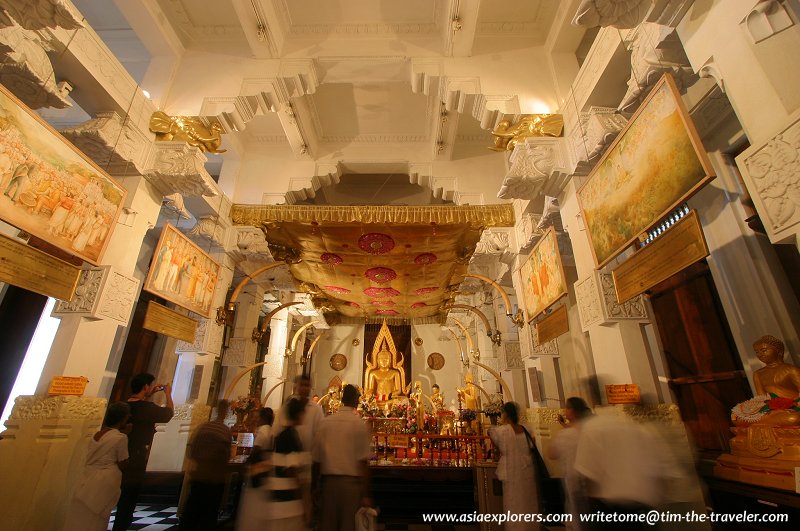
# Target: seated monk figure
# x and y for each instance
(384, 382)
(778, 378)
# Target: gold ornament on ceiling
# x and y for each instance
(418, 342)
(338, 362)
(508, 134)
(435, 361)
(404, 268)
(201, 133)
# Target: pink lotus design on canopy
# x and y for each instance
(337, 290)
(425, 291)
(425, 258)
(331, 259)
(381, 275)
(384, 303)
(417, 305)
(386, 312)
(381, 292)
(376, 243)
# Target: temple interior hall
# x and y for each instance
(586, 208)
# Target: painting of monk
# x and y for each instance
(656, 163)
(543, 281)
(182, 273)
(49, 189)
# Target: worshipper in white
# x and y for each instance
(563, 448)
(515, 468)
(624, 467)
(313, 412)
(341, 474)
(99, 486)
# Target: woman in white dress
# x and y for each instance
(98, 489)
(515, 468)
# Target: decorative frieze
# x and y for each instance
(113, 143)
(102, 293)
(207, 338)
(512, 355)
(597, 302)
(26, 71)
(42, 407)
(771, 171)
(601, 126)
(176, 167)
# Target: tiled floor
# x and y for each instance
(152, 518)
(162, 518)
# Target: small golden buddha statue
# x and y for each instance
(507, 134)
(766, 446)
(189, 129)
(469, 393)
(417, 397)
(437, 398)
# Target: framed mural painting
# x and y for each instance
(543, 280)
(655, 163)
(50, 189)
(182, 273)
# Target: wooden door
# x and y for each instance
(705, 369)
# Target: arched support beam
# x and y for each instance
(493, 335)
(291, 351)
(259, 334)
(225, 314)
(244, 373)
(308, 358)
(506, 389)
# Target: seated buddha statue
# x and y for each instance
(384, 382)
(776, 378)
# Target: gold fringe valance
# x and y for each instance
(476, 216)
(435, 319)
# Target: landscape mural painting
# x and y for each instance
(543, 280)
(182, 273)
(656, 163)
(49, 189)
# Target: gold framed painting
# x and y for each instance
(655, 163)
(542, 274)
(50, 189)
(182, 273)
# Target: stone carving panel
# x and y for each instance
(25, 69)
(597, 302)
(175, 167)
(537, 166)
(513, 355)
(771, 171)
(529, 231)
(102, 293)
(40, 407)
(602, 125)
(113, 143)
(207, 338)
(209, 229)
(240, 353)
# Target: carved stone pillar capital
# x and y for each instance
(40, 14)
(597, 302)
(207, 339)
(25, 69)
(176, 167)
(655, 50)
(601, 126)
(539, 166)
(102, 293)
(210, 230)
(113, 143)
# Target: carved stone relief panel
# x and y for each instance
(529, 231)
(40, 14)
(208, 338)
(602, 124)
(547, 349)
(512, 355)
(101, 293)
(57, 407)
(771, 171)
(597, 302)
(537, 166)
(240, 353)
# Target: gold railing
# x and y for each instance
(428, 450)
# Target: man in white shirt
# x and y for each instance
(341, 476)
(312, 418)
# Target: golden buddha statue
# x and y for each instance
(469, 393)
(437, 397)
(417, 397)
(385, 377)
(507, 134)
(766, 446)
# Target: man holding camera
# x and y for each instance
(144, 417)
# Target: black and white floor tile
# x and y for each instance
(152, 518)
